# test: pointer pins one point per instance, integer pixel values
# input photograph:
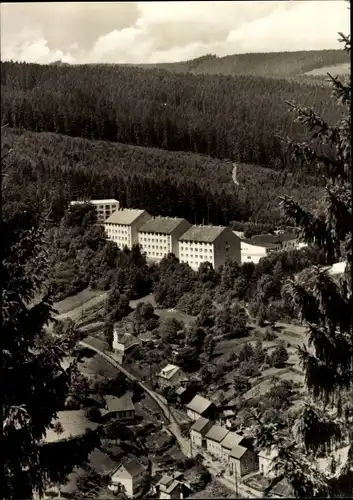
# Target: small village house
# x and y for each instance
(122, 409)
(171, 376)
(184, 395)
(130, 475)
(198, 432)
(214, 437)
(159, 236)
(123, 342)
(201, 407)
(213, 244)
(168, 487)
(231, 440)
(123, 225)
(104, 208)
(265, 461)
(243, 461)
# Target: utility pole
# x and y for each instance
(236, 480)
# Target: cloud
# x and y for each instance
(147, 32)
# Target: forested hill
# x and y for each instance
(221, 116)
(271, 64)
(59, 168)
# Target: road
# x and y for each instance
(173, 425)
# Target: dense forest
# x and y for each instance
(221, 116)
(57, 168)
(272, 64)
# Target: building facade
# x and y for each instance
(243, 461)
(200, 407)
(123, 225)
(171, 376)
(160, 236)
(265, 458)
(198, 432)
(214, 437)
(214, 244)
(128, 475)
(104, 208)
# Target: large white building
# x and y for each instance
(105, 208)
(255, 248)
(123, 225)
(212, 244)
(159, 236)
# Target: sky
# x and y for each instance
(150, 32)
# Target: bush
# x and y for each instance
(270, 335)
(279, 356)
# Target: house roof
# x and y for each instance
(125, 216)
(101, 462)
(168, 371)
(198, 404)
(101, 202)
(217, 433)
(200, 424)
(231, 440)
(286, 236)
(206, 234)
(228, 413)
(269, 454)
(162, 225)
(126, 339)
(264, 240)
(132, 466)
(283, 489)
(237, 452)
(180, 390)
(119, 404)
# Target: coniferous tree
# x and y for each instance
(34, 383)
(324, 305)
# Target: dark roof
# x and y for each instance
(132, 466)
(231, 440)
(119, 404)
(237, 452)
(161, 225)
(101, 462)
(217, 433)
(206, 234)
(265, 240)
(180, 390)
(283, 489)
(200, 424)
(124, 216)
(286, 236)
(198, 404)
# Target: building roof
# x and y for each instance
(109, 200)
(163, 225)
(125, 216)
(168, 371)
(286, 236)
(180, 390)
(101, 462)
(171, 486)
(237, 452)
(132, 466)
(231, 440)
(269, 454)
(74, 423)
(119, 404)
(229, 413)
(282, 489)
(338, 268)
(198, 404)
(126, 339)
(264, 240)
(205, 234)
(200, 425)
(217, 433)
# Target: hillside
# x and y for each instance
(59, 168)
(272, 64)
(221, 116)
